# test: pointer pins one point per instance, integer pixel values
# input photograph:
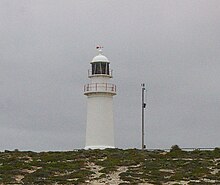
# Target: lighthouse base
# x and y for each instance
(98, 147)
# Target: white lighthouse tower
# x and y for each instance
(99, 92)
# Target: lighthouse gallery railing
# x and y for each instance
(100, 87)
(106, 73)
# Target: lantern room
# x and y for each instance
(100, 66)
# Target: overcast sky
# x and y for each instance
(171, 45)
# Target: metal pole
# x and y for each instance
(143, 107)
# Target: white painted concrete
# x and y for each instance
(100, 128)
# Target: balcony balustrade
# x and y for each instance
(100, 87)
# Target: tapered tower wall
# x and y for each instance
(100, 128)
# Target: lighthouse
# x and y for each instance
(100, 92)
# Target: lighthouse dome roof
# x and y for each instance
(100, 58)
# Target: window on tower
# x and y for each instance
(100, 68)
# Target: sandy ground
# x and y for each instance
(112, 178)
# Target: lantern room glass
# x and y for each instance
(100, 68)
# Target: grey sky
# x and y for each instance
(172, 46)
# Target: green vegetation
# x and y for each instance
(76, 167)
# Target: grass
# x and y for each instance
(156, 167)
